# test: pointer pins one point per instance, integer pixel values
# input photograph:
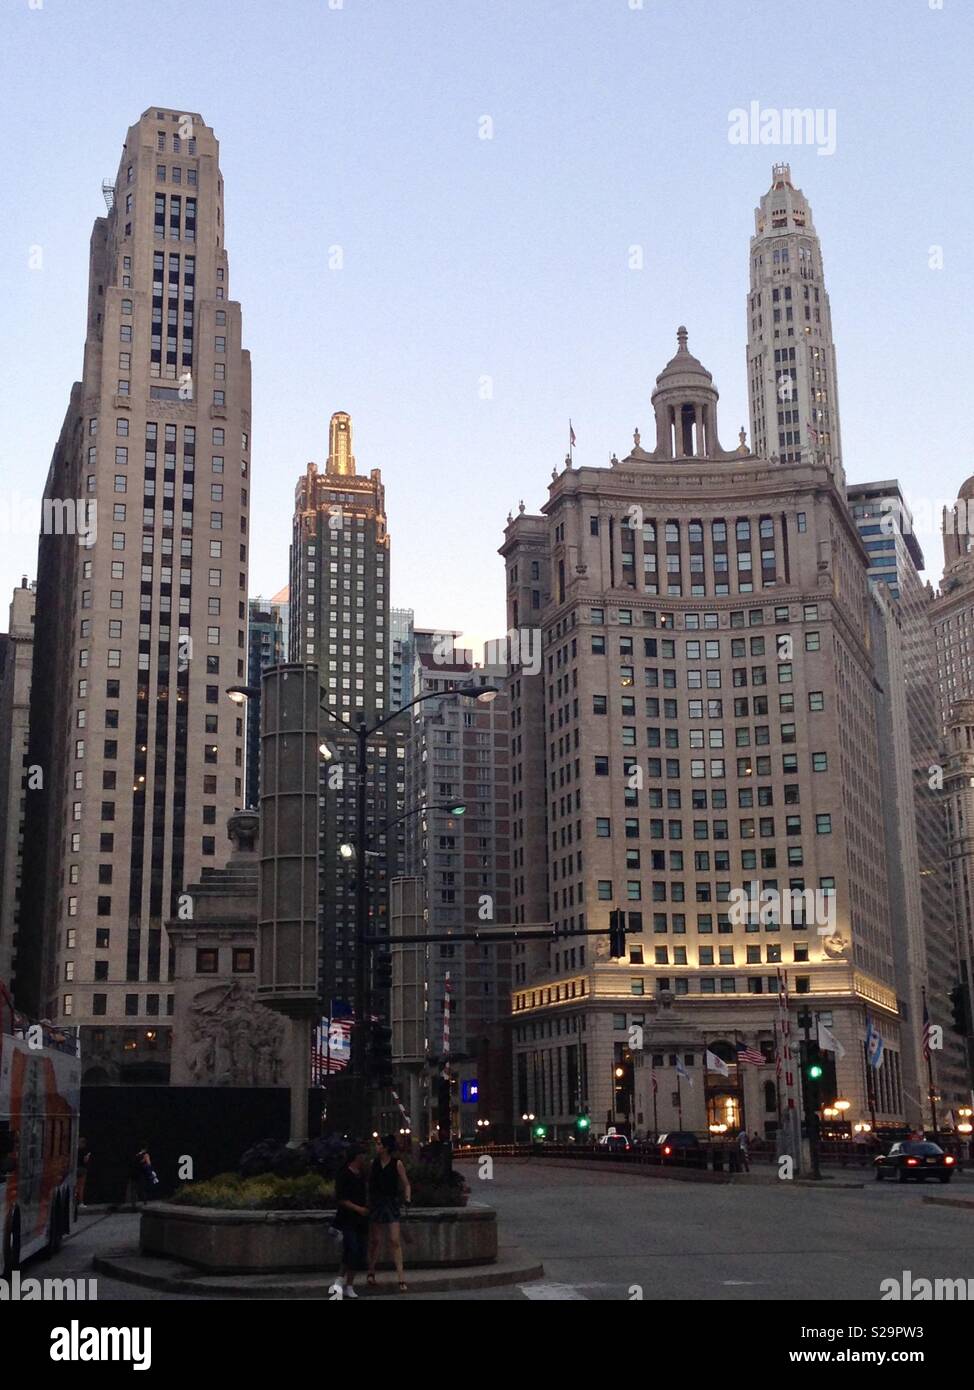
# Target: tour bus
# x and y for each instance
(40, 1087)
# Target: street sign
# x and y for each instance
(469, 1092)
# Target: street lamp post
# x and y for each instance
(361, 1002)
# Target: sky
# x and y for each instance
(485, 169)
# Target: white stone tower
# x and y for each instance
(791, 371)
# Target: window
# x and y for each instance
(207, 961)
(820, 762)
(243, 960)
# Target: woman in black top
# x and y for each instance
(387, 1184)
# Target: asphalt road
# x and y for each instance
(609, 1236)
(615, 1236)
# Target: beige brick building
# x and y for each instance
(141, 620)
(704, 721)
(15, 673)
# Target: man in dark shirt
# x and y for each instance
(352, 1217)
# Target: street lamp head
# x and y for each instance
(486, 695)
(238, 694)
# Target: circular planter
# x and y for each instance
(234, 1242)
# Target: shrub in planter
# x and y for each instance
(231, 1192)
(432, 1188)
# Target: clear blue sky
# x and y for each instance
(463, 258)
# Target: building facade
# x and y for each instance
(908, 707)
(265, 647)
(792, 382)
(138, 635)
(339, 618)
(952, 618)
(707, 716)
(15, 676)
(459, 753)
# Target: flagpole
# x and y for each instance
(870, 1081)
(931, 1091)
(679, 1101)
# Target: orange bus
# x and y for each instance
(40, 1087)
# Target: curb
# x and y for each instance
(513, 1266)
(967, 1202)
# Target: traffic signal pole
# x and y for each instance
(811, 1117)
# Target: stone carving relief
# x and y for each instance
(233, 1040)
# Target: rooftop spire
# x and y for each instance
(340, 458)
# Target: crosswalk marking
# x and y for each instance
(548, 1291)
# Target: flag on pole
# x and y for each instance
(874, 1045)
(682, 1071)
(927, 1026)
(333, 1045)
(653, 1078)
(714, 1063)
(750, 1054)
(828, 1040)
(571, 434)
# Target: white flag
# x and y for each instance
(828, 1040)
(714, 1063)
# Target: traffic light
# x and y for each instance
(617, 934)
(582, 1126)
(539, 1132)
(380, 1055)
(959, 1007)
(818, 1074)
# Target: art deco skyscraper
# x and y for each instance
(339, 618)
(140, 630)
(792, 387)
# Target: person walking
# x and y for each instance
(743, 1150)
(388, 1189)
(81, 1175)
(352, 1217)
(142, 1179)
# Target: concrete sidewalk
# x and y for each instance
(513, 1266)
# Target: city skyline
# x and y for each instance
(379, 337)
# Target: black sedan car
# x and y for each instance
(915, 1159)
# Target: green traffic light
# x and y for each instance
(583, 1122)
(814, 1072)
(540, 1131)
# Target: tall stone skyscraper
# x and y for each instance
(952, 616)
(339, 618)
(15, 674)
(908, 699)
(708, 743)
(142, 613)
(792, 385)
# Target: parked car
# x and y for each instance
(917, 1160)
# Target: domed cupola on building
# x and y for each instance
(958, 530)
(685, 402)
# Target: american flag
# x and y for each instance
(927, 1026)
(333, 1045)
(750, 1054)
